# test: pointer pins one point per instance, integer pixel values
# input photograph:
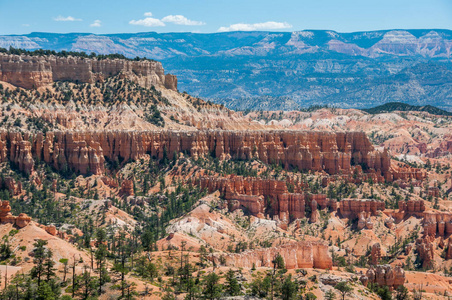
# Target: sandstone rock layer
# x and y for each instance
(85, 152)
(302, 254)
(34, 71)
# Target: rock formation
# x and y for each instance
(10, 184)
(437, 223)
(364, 220)
(51, 229)
(34, 71)
(22, 220)
(315, 215)
(323, 202)
(385, 275)
(389, 222)
(351, 208)
(302, 254)
(449, 249)
(85, 152)
(6, 217)
(126, 188)
(412, 206)
(426, 251)
(253, 194)
(375, 254)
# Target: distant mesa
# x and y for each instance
(31, 71)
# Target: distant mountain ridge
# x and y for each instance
(309, 67)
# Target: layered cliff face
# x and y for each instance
(437, 223)
(302, 254)
(352, 208)
(256, 195)
(382, 275)
(36, 71)
(85, 152)
(266, 197)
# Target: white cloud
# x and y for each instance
(148, 14)
(148, 22)
(26, 25)
(66, 19)
(256, 26)
(181, 20)
(96, 23)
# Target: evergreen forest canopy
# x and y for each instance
(64, 53)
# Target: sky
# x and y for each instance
(206, 16)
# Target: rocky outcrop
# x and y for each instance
(6, 217)
(315, 215)
(85, 152)
(375, 254)
(126, 188)
(302, 254)
(351, 208)
(330, 279)
(22, 220)
(35, 71)
(412, 206)
(426, 251)
(405, 173)
(385, 275)
(255, 195)
(449, 249)
(433, 191)
(389, 222)
(323, 202)
(51, 229)
(13, 187)
(364, 220)
(437, 223)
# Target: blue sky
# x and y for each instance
(101, 16)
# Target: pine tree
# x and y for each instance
(39, 259)
(212, 289)
(64, 261)
(49, 270)
(289, 289)
(232, 285)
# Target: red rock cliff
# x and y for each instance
(351, 208)
(302, 254)
(86, 151)
(255, 193)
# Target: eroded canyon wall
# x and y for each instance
(34, 71)
(85, 152)
(296, 255)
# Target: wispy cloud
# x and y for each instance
(256, 26)
(66, 19)
(181, 20)
(96, 23)
(148, 14)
